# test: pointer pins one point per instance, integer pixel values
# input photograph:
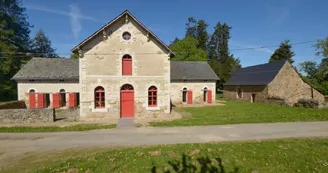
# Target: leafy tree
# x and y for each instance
(176, 39)
(218, 46)
(74, 56)
(284, 52)
(186, 50)
(310, 68)
(41, 46)
(14, 40)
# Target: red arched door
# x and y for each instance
(127, 101)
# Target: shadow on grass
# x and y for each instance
(187, 165)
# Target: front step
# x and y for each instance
(126, 123)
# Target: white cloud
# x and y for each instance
(74, 14)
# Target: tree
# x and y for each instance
(41, 46)
(186, 50)
(310, 68)
(74, 56)
(201, 34)
(284, 52)
(14, 41)
(191, 27)
(218, 46)
(197, 30)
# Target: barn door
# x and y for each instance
(190, 97)
(209, 96)
(127, 101)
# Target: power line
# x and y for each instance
(262, 47)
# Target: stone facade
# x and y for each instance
(197, 88)
(26, 115)
(260, 93)
(101, 65)
(286, 88)
(289, 86)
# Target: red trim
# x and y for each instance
(209, 96)
(99, 92)
(127, 65)
(32, 100)
(189, 100)
(152, 97)
(55, 100)
(41, 100)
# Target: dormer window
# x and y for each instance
(126, 36)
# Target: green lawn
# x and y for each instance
(235, 112)
(289, 155)
(78, 127)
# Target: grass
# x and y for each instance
(78, 127)
(288, 155)
(235, 112)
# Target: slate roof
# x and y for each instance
(261, 74)
(61, 68)
(49, 68)
(191, 70)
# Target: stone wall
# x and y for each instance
(261, 93)
(26, 115)
(70, 115)
(101, 65)
(197, 88)
(289, 86)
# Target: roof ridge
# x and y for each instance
(264, 64)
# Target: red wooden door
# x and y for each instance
(41, 100)
(72, 100)
(55, 100)
(189, 97)
(209, 96)
(32, 100)
(127, 102)
(127, 65)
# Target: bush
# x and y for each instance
(187, 165)
(307, 103)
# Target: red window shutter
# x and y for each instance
(40, 100)
(127, 67)
(32, 100)
(55, 100)
(209, 96)
(190, 97)
(71, 100)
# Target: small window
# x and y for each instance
(126, 36)
(152, 96)
(99, 97)
(32, 91)
(127, 65)
(239, 93)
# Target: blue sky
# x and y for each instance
(255, 23)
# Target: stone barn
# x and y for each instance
(275, 82)
(124, 70)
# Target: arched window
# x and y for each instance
(99, 97)
(184, 95)
(205, 95)
(127, 65)
(152, 96)
(32, 91)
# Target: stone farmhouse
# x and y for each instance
(275, 82)
(124, 70)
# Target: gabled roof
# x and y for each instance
(191, 70)
(261, 74)
(126, 12)
(49, 69)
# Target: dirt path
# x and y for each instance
(13, 145)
